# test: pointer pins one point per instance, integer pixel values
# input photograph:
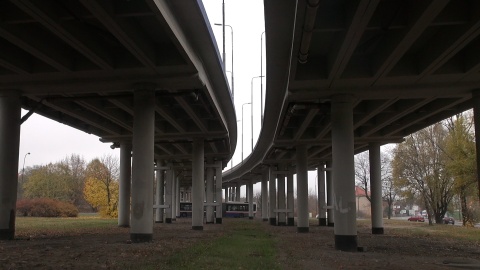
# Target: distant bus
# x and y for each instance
(229, 209)
(237, 209)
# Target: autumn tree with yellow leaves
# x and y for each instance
(101, 185)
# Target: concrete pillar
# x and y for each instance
(174, 198)
(10, 114)
(272, 190)
(227, 194)
(209, 191)
(141, 229)
(177, 197)
(343, 173)
(265, 195)
(322, 213)
(330, 211)
(237, 192)
(250, 199)
(476, 119)
(376, 188)
(198, 184)
(281, 200)
(170, 174)
(160, 194)
(290, 200)
(302, 189)
(125, 185)
(218, 194)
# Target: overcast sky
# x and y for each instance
(49, 141)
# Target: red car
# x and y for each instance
(417, 219)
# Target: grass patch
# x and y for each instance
(245, 246)
(36, 226)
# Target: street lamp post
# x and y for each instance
(242, 125)
(23, 168)
(231, 30)
(261, 76)
(251, 101)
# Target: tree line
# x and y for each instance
(91, 186)
(434, 168)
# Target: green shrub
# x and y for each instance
(45, 207)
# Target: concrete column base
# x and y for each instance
(197, 228)
(265, 219)
(282, 223)
(303, 229)
(124, 226)
(331, 224)
(210, 222)
(346, 243)
(273, 221)
(290, 221)
(168, 220)
(322, 222)
(377, 230)
(141, 237)
(7, 234)
(218, 221)
(158, 221)
(250, 217)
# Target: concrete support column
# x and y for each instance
(10, 114)
(237, 192)
(272, 190)
(250, 200)
(174, 198)
(198, 183)
(343, 173)
(227, 194)
(170, 175)
(265, 195)
(290, 202)
(177, 197)
(302, 189)
(281, 200)
(322, 213)
(209, 191)
(330, 211)
(476, 119)
(125, 185)
(160, 194)
(141, 229)
(218, 187)
(376, 188)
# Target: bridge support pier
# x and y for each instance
(159, 198)
(302, 189)
(176, 198)
(125, 185)
(218, 194)
(290, 200)
(281, 203)
(344, 175)
(264, 195)
(209, 191)
(10, 114)
(330, 211)
(141, 229)
(237, 192)
(170, 175)
(376, 188)
(272, 196)
(250, 199)
(198, 184)
(322, 214)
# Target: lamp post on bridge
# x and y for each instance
(242, 125)
(231, 31)
(261, 76)
(251, 102)
(23, 168)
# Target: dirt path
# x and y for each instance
(111, 249)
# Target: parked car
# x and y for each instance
(417, 219)
(449, 220)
